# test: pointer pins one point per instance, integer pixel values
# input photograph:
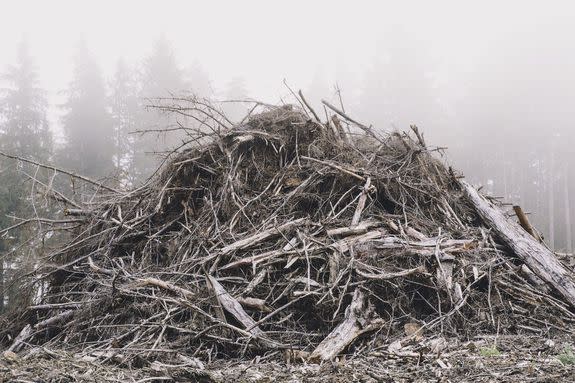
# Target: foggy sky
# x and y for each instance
(267, 41)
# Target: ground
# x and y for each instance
(485, 359)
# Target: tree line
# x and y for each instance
(109, 134)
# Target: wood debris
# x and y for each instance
(289, 235)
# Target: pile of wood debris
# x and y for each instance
(287, 235)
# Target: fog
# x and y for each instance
(492, 81)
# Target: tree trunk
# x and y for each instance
(536, 256)
(551, 202)
(567, 208)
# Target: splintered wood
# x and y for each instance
(360, 318)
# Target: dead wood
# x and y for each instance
(360, 317)
(251, 239)
(536, 256)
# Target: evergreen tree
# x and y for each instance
(88, 127)
(199, 81)
(25, 127)
(25, 133)
(124, 110)
(161, 77)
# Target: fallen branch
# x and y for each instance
(539, 259)
(50, 167)
(232, 306)
(524, 222)
(361, 202)
(27, 331)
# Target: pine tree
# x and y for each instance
(25, 133)
(88, 127)
(25, 128)
(161, 77)
(124, 110)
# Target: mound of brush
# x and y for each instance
(289, 233)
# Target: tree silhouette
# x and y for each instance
(25, 133)
(125, 109)
(161, 77)
(88, 125)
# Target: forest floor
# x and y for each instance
(485, 359)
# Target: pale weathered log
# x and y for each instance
(262, 236)
(360, 228)
(536, 256)
(20, 339)
(360, 318)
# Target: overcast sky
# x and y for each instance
(264, 41)
(267, 41)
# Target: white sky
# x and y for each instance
(263, 41)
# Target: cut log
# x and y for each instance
(360, 318)
(537, 257)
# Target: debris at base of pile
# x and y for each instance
(288, 234)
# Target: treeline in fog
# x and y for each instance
(105, 130)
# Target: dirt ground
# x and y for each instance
(486, 359)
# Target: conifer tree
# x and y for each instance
(88, 127)
(24, 133)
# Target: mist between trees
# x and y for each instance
(515, 141)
